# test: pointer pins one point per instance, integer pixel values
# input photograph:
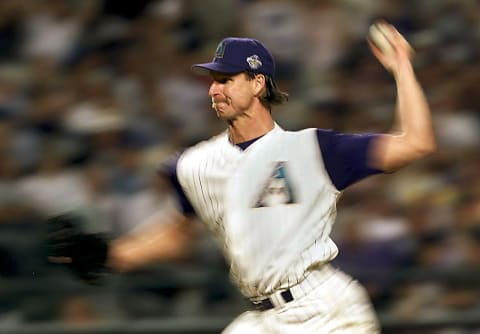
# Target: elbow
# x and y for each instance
(424, 150)
(433, 148)
(395, 152)
(427, 149)
(414, 154)
(419, 147)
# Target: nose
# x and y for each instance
(214, 89)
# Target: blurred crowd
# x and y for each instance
(96, 94)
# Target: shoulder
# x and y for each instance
(208, 144)
(328, 137)
(308, 132)
(202, 151)
(306, 136)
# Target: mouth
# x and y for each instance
(217, 101)
(217, 104)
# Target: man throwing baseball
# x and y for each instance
(269, 195)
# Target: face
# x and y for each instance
(232, 94)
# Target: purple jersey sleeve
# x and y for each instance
(170, 170)
(346, 156)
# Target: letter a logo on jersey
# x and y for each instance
(277, 190)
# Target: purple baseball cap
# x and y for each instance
(235, 55)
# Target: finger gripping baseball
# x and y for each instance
(379, 34)
(86, 252)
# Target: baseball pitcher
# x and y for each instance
(269, 195)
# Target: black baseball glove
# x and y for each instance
(85, 254)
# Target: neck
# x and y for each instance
(248, 128)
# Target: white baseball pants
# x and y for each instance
(327, 301)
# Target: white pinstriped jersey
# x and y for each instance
(271, 206)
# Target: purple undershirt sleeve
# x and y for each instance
(170, 170)
(345, 156)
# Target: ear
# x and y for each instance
(259, 84)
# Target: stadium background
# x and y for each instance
(95, 94)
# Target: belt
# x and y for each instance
(313, 279)
(269, 303)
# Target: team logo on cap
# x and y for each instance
(254, 62)
(220, 50)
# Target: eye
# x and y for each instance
(223, 80)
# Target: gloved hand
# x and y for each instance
(85, 254)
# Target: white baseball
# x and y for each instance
(378, 35)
